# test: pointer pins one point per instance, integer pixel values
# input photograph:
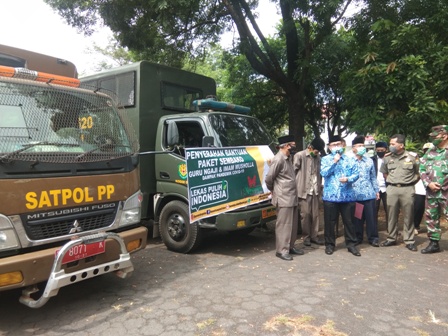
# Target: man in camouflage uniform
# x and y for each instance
(434, 174)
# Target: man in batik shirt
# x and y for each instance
(339, 172)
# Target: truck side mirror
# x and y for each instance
(172, 134)
(208, 141)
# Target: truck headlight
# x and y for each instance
(8, 237)
(131, 213)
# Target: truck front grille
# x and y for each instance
(64, 225)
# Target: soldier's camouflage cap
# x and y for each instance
(438, 129)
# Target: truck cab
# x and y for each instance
(69, 182)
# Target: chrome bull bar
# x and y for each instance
(58, 278)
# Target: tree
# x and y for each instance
(176, 28)
(239, 83)
(331, 60)
(116, 55)
(398, 80)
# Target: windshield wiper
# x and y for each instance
(5, 157)
(80, 156)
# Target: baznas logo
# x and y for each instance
(182, 171)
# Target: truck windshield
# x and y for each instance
(238, 130)
(49, 123)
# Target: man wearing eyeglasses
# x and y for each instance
(339, 172)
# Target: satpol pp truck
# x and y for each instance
(156, 97)
(69, 183)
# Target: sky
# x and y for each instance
(35, 26)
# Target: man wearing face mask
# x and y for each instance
(366, 193)
(434, 174)
(400, 170)
(309, 181)
(339, 172)
(381, 149)
(280, 180)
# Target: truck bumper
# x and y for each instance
(35, 267)
(236, 220)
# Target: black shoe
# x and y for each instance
(285, 256)
(317, 241)
(353, 250)
(389, 243)
(411, 247)
(296, 251)
(329, 249)
(375, 243)
(307, 242)
(433, 247)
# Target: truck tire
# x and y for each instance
(175, 229)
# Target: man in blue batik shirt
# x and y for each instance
(339, 172)
(366, 193)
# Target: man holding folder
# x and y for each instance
(366, 193)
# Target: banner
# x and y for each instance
(224, 179)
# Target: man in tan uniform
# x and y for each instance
(280, 180)
(309, 185)
(400, 171)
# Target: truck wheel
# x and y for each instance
(175, 229)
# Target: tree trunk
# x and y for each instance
(296, 110)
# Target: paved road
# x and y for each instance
(236, 286)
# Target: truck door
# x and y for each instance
(171, 168)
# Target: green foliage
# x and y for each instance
(330, 61)
(170, 32)
(384, 73)
(160, 31)
(115, 54)
(245, 86)
(238, 83)
(402, 86)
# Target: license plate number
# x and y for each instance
(83, 251)
(268, 213)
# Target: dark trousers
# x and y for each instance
(368, 216)
(419, 209)
(383, 198)
(331, 213)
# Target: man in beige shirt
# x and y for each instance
(309, 182)
(401, 172)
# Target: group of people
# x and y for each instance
(354, 187)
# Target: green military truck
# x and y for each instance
(155, 98)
